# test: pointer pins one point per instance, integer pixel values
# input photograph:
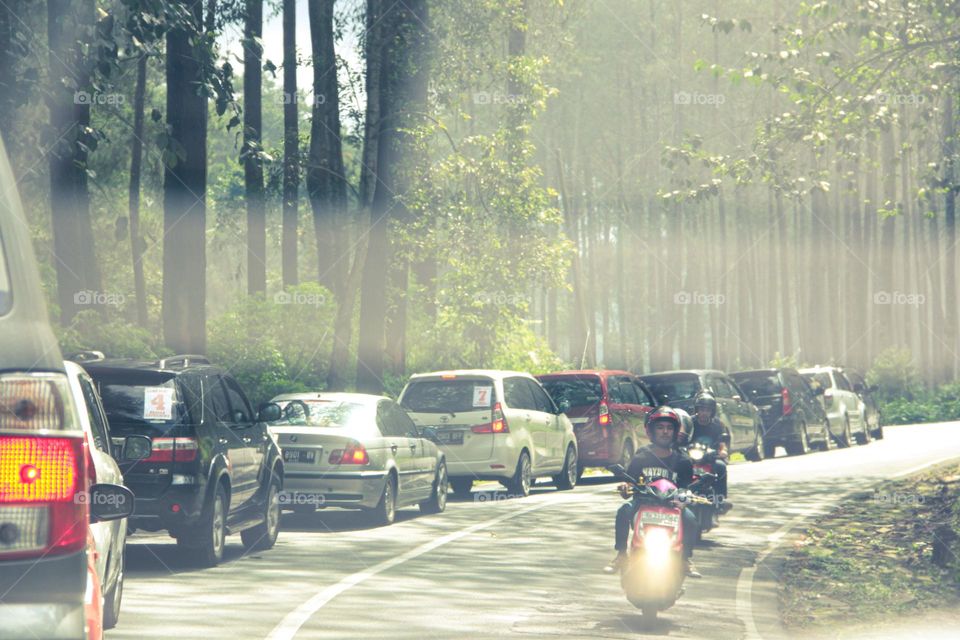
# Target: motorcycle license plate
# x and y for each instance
(657, 519)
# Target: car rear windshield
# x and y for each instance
(759, 384)
(446, 396)
(823, 378)
(673, 386)
(351, 416)
(139, 401)
(573, 391)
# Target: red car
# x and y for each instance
(607, 409)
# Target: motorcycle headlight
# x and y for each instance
(696, 454)
(657, 541)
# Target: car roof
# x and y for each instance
(770, 370)
(116, 365)
(819, 369)
(697, 372)
(359, 398)
(489, 373)
(581, 372)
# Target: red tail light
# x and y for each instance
(498, 423)
(354, 454)
(787, 403)
(604, 414)
(173, 450)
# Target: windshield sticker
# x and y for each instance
(481, 396)
(157, 403)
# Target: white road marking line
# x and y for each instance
(293, 621)
(745, 581)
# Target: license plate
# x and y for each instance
(450, 437)
(657, 519)
(302, 456)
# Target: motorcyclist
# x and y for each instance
(707, 427)
(657, 460)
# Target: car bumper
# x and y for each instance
(361, 489)
(177, 508)
(500, 466)
(43, 598)
(779, 429)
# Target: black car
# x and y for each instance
(679, 389)
(866, 393)
(792, 415)
(213, 468)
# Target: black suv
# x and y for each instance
(792, 415)
(213, 468)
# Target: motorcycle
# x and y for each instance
(653, 574)
(709, 505)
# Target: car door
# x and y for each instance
(398, 450)
(738, 413)
(851, 401)
(636, 409)
(619, 407)
(239, 434)
(519, 413)
(423, 453)
(546, 414)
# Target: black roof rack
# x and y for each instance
(87, 356)
(182, 361)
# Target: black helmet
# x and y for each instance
(706, 401)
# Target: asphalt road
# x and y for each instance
(491, 567)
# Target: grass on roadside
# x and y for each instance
(878, 555)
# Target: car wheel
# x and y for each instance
(847, 439)
(206, 547)
(568, 476)
(461, 486)
(759, 450)
(865, 437)
(627, 454)
(386, 510)
(828, 443)
(438, 500)
(264, 535)
(112, 598)
(802, 446)
(580, 471)
(878, 433)
(769, 449)
(523, 477)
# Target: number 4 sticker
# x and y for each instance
(157, 403)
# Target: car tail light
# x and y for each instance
(34, 402)
(173, 450)
(828, 397)
(354, 454)
(497, 424)
(787, 403)
(604, 414)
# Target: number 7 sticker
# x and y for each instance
(481, 396)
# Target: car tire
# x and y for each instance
(385, 512)
(769, 449)
(627, 454)
(567, 479)
(461, 486)
(264, 535)
(847, 439)
(580, 470)
(802, 445)
(522, 479)
(206, 543)
(828, 442)
(438, 499)
(113, 597)
(758, 451)
(865, 437)
(878, 432)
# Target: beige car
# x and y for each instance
(494, 425)
(356, 451)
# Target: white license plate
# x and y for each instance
(450, 437)
(301, 456)
(657, 519)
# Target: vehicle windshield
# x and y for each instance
(140, 403)
(822, 379)
(759, 384)
(448, 396)
(325, 413)
(573, 391)
(672, 387)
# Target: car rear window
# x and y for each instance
(822, 378)
(759, 384)
(444, 396)
(352, 416)
(140, 401)
(573, 391)
(673, 386)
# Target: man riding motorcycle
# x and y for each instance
(657, 460)
(707, 427)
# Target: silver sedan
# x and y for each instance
(356, 451)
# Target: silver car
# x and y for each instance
(357, 451)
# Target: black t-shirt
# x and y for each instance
(715, 431)
(676, 467)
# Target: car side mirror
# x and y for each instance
(269, 412)
(137, 448)
(737, 398)
(109, 502)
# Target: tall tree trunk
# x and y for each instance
(184, 189)
(8, 76)
(136, 161)
(887, 257)
(71, 94)
(326, 182)
(950, 232)
(289, 247)
(253, 147)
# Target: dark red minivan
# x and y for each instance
(607, 409)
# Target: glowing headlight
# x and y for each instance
(696, 454)
(657, 541)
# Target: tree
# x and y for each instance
(291, 147)
(252, 154)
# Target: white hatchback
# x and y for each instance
(494, 425)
